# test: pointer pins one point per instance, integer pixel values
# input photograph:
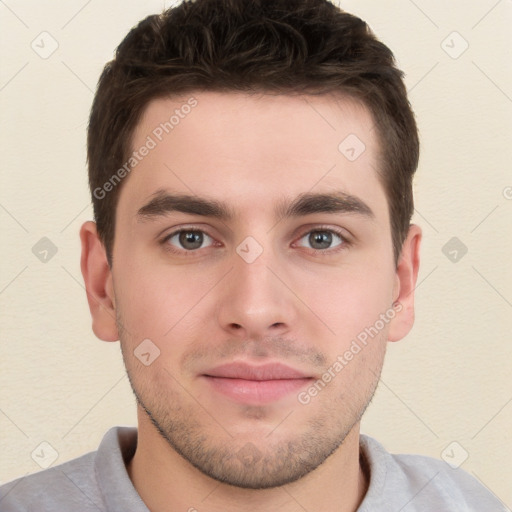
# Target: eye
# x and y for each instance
(188, 239)
(322, 239)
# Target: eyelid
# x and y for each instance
(171, 248)
(345, 238)
(342, 234)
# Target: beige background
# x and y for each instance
(448, 381)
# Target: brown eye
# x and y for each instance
(187, 239)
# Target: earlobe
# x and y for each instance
(98, 283)
(406, 277)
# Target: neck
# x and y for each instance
(167, 482)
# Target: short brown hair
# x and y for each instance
(283, 46)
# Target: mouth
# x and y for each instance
(252, 384)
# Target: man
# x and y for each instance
(250, 166)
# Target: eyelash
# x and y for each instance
(345, 243)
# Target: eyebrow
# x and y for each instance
(163, 203)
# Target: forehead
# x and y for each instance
(250, 148)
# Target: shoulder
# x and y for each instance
(421, 483)
(71, 484)
(97, 481)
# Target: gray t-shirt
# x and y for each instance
(98, 481)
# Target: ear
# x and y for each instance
(98, 283)
(406, 276)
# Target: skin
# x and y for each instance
(299, 302)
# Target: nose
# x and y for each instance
(255, 302)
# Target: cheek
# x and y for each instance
(160, 302)
(144, 300)
(347, 301)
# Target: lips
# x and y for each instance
(255, 384)
(272, 371)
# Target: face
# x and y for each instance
(254, 252)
